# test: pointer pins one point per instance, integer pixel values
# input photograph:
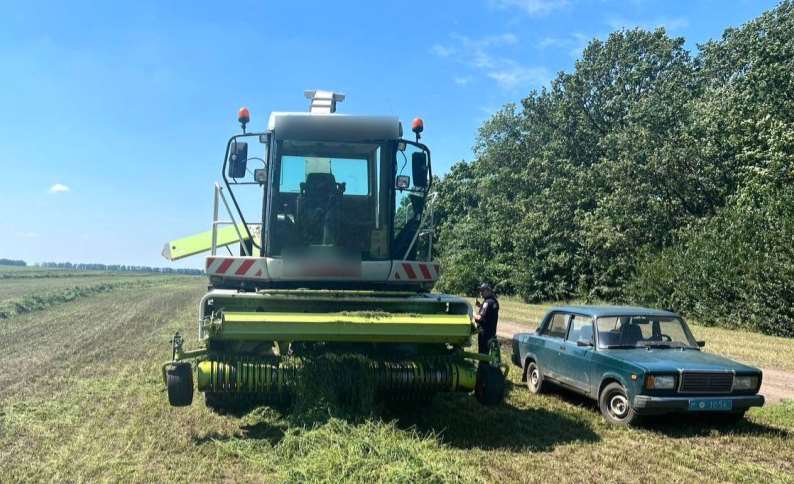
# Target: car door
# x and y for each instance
(553, 336)
(574, 360)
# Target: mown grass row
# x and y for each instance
(35, 273)
(36, 302)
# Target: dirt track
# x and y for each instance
(777, 385)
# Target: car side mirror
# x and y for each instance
(238, 158)
(419, 169)
(701, 343)
(584, 343)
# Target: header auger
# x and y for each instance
(335, 261)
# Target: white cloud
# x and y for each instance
(669, 24)
(28, 235)
(574, 43)
(479, 54)
(531, 7)
(515, 75)
(442, 51)
(546, 42)
(59, 188)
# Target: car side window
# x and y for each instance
(581, 327)
(557, 326)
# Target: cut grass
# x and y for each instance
(81, 399)
(19, 297)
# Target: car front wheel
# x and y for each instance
(616, 407)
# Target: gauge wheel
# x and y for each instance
(179, 383)
(490, 386)
(616, 407)
(535, 382)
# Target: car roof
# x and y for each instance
(600, 311)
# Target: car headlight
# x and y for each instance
(660, 382)
(745, 383)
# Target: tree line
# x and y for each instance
(647, 175)
(116, 268)
(12, 262)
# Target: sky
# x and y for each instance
(114, 116)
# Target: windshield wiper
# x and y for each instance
(615, 347)
(650, 344)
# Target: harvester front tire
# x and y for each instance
(490, 386)
(179, 383)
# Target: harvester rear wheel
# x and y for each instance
(179, 382)
(490, 386)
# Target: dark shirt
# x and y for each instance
(489, 314)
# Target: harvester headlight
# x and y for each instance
(260, 175)
(403, 182)
(745, 383)
(660, 382)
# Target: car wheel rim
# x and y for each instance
(534, 377)
(618, 406)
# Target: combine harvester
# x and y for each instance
(336, 264)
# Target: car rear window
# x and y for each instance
(557, 327)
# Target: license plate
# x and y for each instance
(703, 405)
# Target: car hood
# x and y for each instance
(671, 359)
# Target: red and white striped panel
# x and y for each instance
(410, 271)
(241, 267)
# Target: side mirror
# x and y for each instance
(701, 343)
(403, 182)
(238, 158)
(584, 343)
(419, 168)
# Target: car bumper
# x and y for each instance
(645, 404)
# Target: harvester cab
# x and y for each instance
(331, 216)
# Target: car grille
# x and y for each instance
(692, 382)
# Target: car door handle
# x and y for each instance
(562, 348)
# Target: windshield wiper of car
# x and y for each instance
(620, 347)
(653, 344)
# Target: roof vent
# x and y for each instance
(323, 101)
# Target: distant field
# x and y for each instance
(81, 399)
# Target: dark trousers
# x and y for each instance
(483, 338)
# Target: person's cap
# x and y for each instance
(485, 287)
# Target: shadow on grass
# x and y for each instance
(460, 421)
(682, 425)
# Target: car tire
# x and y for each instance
(179, 383)
(535, 382)
(615, 406)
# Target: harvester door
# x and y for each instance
(409, 201)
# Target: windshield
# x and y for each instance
(643, 331)
(329, 196)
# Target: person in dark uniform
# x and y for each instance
(487, 316)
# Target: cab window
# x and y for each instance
(557, 326)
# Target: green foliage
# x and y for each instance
(642, 155)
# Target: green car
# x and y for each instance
(633, 362)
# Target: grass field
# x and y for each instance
(81, 399)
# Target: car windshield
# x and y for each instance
(644, 331)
